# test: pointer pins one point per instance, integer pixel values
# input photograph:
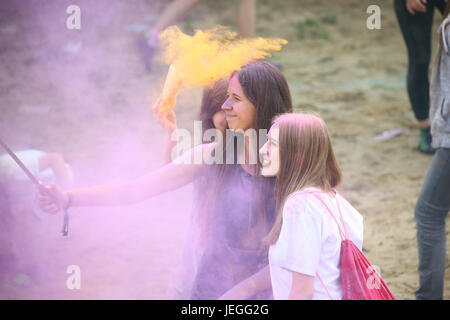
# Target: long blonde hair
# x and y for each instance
(306, 160)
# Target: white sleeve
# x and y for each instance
(300, 236)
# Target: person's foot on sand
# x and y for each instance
(425, 141)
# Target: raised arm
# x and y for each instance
(169, 177)
(166, 116)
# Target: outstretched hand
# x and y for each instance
(51, 199)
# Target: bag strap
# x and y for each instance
(323, 284)
(343, 233)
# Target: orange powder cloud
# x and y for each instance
(202, 59)
(210, 55)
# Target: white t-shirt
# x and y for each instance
(310, 243)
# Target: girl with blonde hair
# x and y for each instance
(305, 240)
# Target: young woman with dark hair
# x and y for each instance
(236, 221)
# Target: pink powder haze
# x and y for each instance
(87, 95)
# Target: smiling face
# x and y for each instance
(270, 153)
(240, 113)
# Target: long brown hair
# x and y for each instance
(306, 160)
(266, 87)
(212, 101)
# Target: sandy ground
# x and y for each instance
(87, 95)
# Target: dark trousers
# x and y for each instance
(432, 208)
(417, 32)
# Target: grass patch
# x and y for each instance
(330, 18)
(311, 28)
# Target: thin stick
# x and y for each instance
(65, 229)
(21, 165)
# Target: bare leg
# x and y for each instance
(246, 15)
(424, 123)
(174, 12)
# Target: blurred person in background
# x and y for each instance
(17, 206)
(433, 204)
(415, 18)
(177, 9)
